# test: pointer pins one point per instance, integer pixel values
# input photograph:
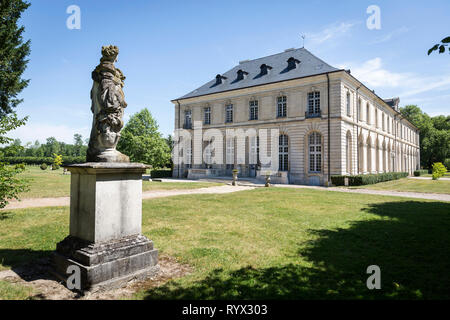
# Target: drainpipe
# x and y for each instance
(179, 115)
(329, 125)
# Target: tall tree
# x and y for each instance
(142, 142)
(13, 54)
(434, 135)
(440, 46)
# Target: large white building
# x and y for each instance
(329, 123)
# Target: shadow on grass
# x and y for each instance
(28, 264)
(410, 243)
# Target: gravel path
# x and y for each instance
(65, 201)
(418, 195)
(428, 178)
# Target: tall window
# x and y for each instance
(367, 113)
(230, 152)
(207, 118)
(360, 110)
(229, 113)
(283, 153)
(253, 157)
(188, 119)
(382, 122)
(376, 118)
(315, 152)
(254, 110)
(281, 107)
(208, 153)
(348, 150)
(314, 103)
(188, 154)
(349, 111)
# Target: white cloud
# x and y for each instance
(31, 132)
(374, 75)
(329, 32)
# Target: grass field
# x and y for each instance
(411, 185)
(275, 243)
(48, 183)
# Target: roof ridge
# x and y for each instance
(271, 55)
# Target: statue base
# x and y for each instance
(105, 239)
(108, 155)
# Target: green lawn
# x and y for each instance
(275, 243)
(411, 185)
(48, 183)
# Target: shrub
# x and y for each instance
(363, 179)
(419, 173)
(39, 160)
(57, 161)
(44, 166)
(20, 166)
(438, 170)
(161, 173)
(55, 167)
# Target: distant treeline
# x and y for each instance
(36, 151)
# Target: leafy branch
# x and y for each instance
(440, 46)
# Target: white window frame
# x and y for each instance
(207, 115)
(282, 107)
(315, 152)
(253, 110)
(229, 113)
(230, 151)
(314, 102)
(349, 107)
(283, 152)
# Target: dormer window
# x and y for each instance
(219, 79)
(265, 69)
(241, 74)
(292, 63)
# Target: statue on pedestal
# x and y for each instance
(108, 103)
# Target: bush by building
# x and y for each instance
(363, 179)
(419, 173)
(161, 173)
(438, 170)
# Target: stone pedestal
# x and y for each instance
(105, 239)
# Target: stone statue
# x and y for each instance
(108, 104)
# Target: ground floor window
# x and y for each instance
(283, 153)
(315, 152)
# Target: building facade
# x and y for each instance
(329, 123)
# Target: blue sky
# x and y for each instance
(169, 48)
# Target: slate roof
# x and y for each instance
(392, 102)
(308, 65)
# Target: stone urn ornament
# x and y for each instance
(267, 179)
(108, 104)
(235, 173)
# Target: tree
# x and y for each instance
(434, 135)
(440, 46)
(13, 53)
(142, 142)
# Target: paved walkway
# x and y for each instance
(428, 178)
(65, 201)
(417, 195)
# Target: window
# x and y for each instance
(314, 103)
(208, 153)
(187, 119)
(230, 152)
(207, 119)
(367, 113)
(188, 154)
(254, 110)
(382, 122)
(315, 152)
(283, 153)
(348, 150)
(349, 111)
(359, 110)
(229, 113)
(281, 107)
(253, 157)
(376, 118)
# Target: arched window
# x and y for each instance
(315, 152)
(360, 110)
(283, 153)
(349, 153)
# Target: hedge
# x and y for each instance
(419, 173)
(364, 179)
(161, 173)
(40, 160)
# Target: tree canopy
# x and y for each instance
(13, 54)
(142, 142)
(434, 135)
